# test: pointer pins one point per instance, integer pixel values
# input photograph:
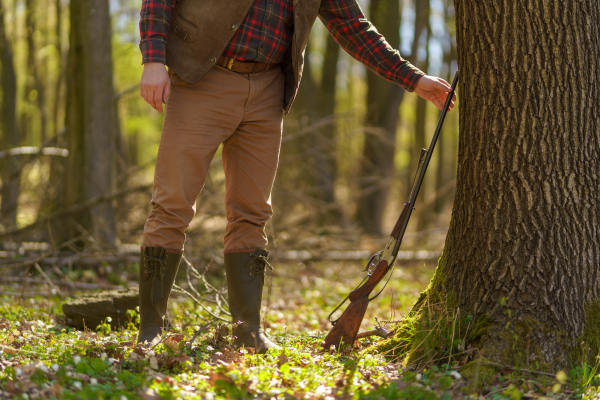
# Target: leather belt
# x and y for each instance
(244, 67)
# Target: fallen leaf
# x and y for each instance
(139, 351)
(176, 337)
(218, 376)
(149, 394)
(217, 356)
(11, 388)
(171, 362)
(282, 359)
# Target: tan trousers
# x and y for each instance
(244, 112)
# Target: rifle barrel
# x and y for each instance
(404, 217)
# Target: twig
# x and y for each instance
(26, 351)
(47, 279)
(529, 371)
(128, 90)
(26, 279)
(377, 331)
(23, 294)
(196, 335)
(211, 289)
(70, 283)
(179, 289)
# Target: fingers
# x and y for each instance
(166, 93)
(157, 101)
(153, 96)
(155, 85)
(444, 88)
(447, 87)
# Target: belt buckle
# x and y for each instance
(230, 64)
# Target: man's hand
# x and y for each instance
(435, 90)
(155, 85)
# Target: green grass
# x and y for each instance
(41, 357)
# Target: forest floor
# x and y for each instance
(41, 356)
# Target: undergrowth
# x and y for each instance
(430, 357)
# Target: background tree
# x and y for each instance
(523, 248)
(10, 138)
(381, 123)
(90, 118)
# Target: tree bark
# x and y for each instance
(91, 117)
(383, 99)
(523, 248)
(11, 175)
(446, 167)
(421, 40)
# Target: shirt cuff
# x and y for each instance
(153, 50)
(408, 76)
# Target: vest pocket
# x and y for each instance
(184, 29)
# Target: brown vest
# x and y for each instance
(200, 30)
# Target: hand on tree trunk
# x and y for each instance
(155, 85)
(434, 90)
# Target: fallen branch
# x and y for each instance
(196, 335)
(377, 331)
(39, 258)
(47, 279)
(32, 150)
(75, 209)
(179, 289)
(68, 282)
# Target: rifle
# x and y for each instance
(345, 328)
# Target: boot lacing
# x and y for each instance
(155, 267)
(258, 264)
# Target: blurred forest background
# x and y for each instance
(78, 143)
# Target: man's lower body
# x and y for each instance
(244, 113)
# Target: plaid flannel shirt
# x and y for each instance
(267, 30)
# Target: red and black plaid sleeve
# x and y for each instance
(347, 24)
(154, 25)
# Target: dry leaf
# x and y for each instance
(149, 394)
(282, 359)
(11, 388)
(218, 376)
(171, 362)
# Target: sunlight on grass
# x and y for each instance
(42, 357)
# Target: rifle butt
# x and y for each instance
(346, 328)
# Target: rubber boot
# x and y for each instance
(245, 281)
(158, 270)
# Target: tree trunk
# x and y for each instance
(58, 85)
(445, 170)
(35, 92)
(90, 117)
(383, 99)
(523, 249)
(326, 166)
(11, 175)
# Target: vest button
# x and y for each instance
(213, 60)
(234, 26)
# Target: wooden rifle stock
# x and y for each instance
(346, 327)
